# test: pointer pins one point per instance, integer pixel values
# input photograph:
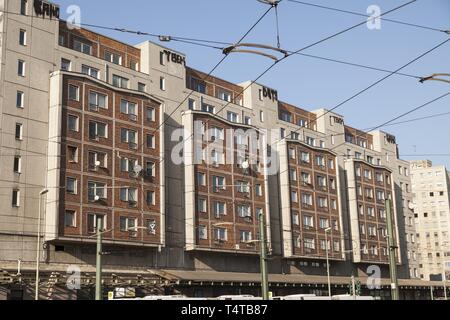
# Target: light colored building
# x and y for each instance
(430, 185)
(98, 122)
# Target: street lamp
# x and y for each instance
(38, 246)
(328, 261)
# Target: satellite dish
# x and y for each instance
(96, 198)
(97, 163)
(245, 165)
(412, 206)
(137, 169)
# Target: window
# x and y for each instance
(17, 167)
(220, 234)
(224, 95)
(65, 64)
(244, 211)
(324, 223)
(198, 85)
(295, 219)
(162, 83)
(320, 161)
(127, 165)
(150, 114)
(259, 190)
(96, 191)
(294, 196)
(379, 177)
(310, 141)
(248, 121)
(129, 108)
(370, 211)
(70, 219)
(245, 236)
(72, 123)
(20, 97)
(120, 82)
(134, 65)
(23, 7)
(97, 159)
(305, 157)
(201, 205)
(307, 199)
(261, 116)
(218, 183)
(82, 47)
(97, 100)
(129, 195)
(71, 185)
(381, 196)
(128, 224)
(202, 232)
(368, 174)
(321, 182)
(310, 244)
(151, 226)
(74, 93)
(72, 154)
(150, 198)
(306, 178)
(19, 131)
(201, 178)
(369, 193)
(208, 108)
(325, 245)
(292, 153)
(150, 169)
(243, 187)
(97, 130)
(372, 231)
(331, 164)
(191, 104)
(323, 203)
(308, 221)
(150, 140)
(93, 219)
(22, 37)
(219, 209)
(94, 73)
(113, 57)
(61, 40)
(232, 117)
(286, 116)
(16, 198)
(21, 68)
(129, 136)
(142, 87)
(293, 174)
(362, 229)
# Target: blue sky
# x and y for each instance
(303, 81)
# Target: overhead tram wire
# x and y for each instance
(305, 48)
(368, 16)
(396, 118)
(213, 69)
(377, 82)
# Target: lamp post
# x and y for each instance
(38, 246)
(328, 261)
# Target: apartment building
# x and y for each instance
(430, 185)
(179, 167)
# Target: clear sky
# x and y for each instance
(303, 81)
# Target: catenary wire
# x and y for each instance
(365, 15)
